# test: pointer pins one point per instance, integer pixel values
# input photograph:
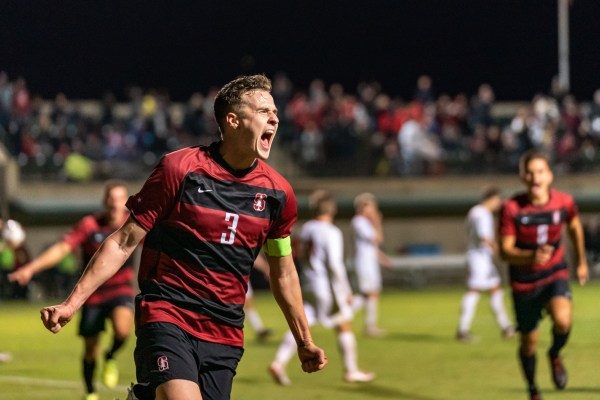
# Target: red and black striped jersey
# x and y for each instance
(88, 234)
(206, 224)
(534, 226)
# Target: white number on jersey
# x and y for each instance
(232, 228)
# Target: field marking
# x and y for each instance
(26, 380)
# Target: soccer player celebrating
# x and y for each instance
(328, 294)
(113, 300)
(530, 231)
(205, 213)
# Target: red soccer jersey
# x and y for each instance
(89, 233)
(206, 224)
(534, 226)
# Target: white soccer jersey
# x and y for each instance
(326, 278)
(483, 274)
(366, 251)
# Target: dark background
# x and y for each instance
(84, 48)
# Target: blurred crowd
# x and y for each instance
(325, 130)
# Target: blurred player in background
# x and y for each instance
(531, 225)
(482, 273)
(204, 213)
(327, 291)
(113, 300)
(367, 232)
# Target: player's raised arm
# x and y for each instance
(111, 255)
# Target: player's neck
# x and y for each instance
(324, 218)
(540, 199)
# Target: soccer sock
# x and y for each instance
(255, 320)
(88, 375)
(371, 313)
(347, 343)
(497, 305)
(286, 349)
(358, 301)
(558, 342)
(468, 307)
(117, 343)
(528, 366)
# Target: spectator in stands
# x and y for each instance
(424, 90)
(362, 126)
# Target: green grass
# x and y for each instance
(418, 360)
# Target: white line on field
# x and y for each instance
(26, 380)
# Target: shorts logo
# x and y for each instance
(163, 363)
(260, 201)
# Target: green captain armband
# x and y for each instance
(278, 247)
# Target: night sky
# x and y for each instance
(87, 47)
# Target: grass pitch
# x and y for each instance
(418, 359)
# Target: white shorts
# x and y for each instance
(324, 307)
(483, 274)
(368, 276)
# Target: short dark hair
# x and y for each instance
(529, 156)
(490, 191)
(229, 98)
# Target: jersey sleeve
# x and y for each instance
(79, 233)
(158, 194)
(282, 226)
(507, 219)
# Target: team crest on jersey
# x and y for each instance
(260, 201)
(163, 363)
(556, 217)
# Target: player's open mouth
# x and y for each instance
(266, 139)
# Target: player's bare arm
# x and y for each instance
(111, 255)
(48, 259)
(524, 257)
(285, 286)
(575, 230)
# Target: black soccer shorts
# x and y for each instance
(93, 317)
(164, 352)
(530, 307)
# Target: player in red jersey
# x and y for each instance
(531, 225)
(113, 300)
(205, 214)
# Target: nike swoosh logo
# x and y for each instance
(204, 190)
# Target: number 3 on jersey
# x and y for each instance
(228, 238)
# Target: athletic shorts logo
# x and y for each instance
(260, 201)
(163, 363)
